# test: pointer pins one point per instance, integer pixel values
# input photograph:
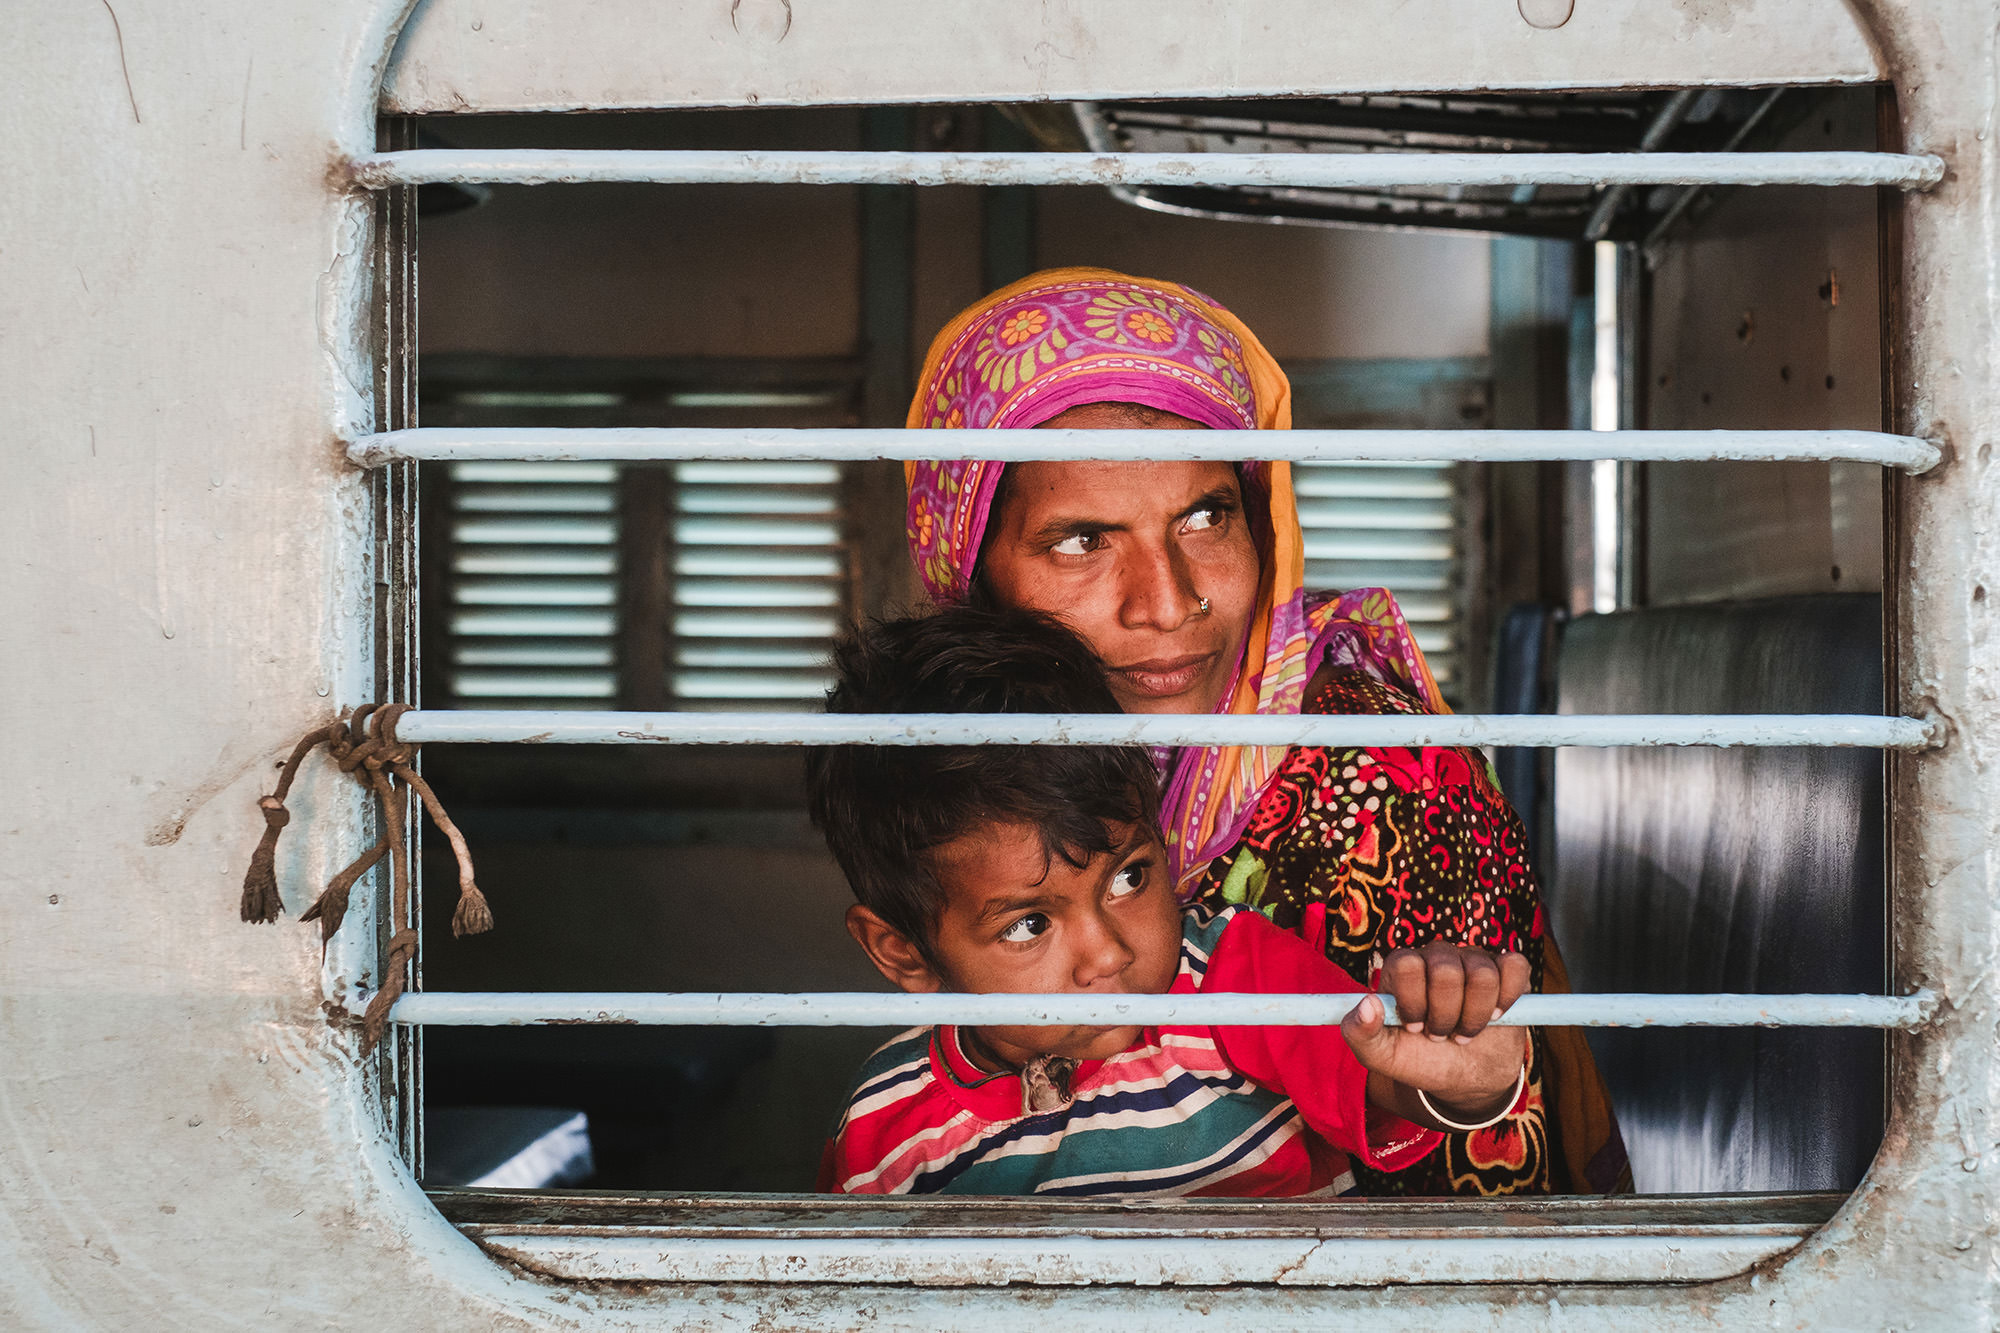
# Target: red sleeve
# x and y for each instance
(1311, 1065)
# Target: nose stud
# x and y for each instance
(1203, 605)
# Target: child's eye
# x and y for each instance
(1129, 880)
(1024, 930)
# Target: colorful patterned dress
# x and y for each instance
(1368, 850)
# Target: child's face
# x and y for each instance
(1018, 920)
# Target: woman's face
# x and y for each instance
(1124, 553)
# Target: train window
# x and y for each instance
(669, 567)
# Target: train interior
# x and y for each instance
(1537, 587)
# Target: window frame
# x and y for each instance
(1571, 1243)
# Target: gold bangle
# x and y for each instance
(1520, 1084)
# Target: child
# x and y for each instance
(1039, 869)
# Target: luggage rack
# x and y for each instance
(1711, 119)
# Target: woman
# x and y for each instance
(1187, 579)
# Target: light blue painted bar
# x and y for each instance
(1535, 730)
(895, 1009)
(688, 443)
(575, 166)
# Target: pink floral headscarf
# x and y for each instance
(1066, 337)
(1052, 342)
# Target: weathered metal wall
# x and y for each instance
(186, 1143)
(1766, 313)
(619, 271)
(538, 55)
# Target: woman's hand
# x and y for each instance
(1447, 997)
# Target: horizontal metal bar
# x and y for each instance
(572, 166)
(788, 444)
(896, 1009)
(1536, 730)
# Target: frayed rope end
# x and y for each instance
(330, 908)
(261, 902)
(473, 916)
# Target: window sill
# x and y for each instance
(581, 1236)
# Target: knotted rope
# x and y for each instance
(365, 746)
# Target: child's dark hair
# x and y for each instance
(886, 809)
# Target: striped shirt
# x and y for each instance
(1185, 1110)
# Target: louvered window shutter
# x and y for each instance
(534, 584)
(758, 584)
(1394, 526)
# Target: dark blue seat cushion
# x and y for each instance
(1760, 870)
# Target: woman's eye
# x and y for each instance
(1079, 543)
(1129, 880)
(1202, 519)
(1029, 926)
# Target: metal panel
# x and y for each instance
(500, 55)
(1766, 310)
(1943, 306)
